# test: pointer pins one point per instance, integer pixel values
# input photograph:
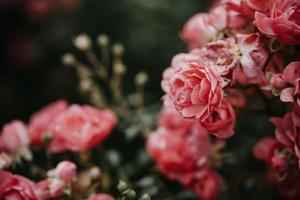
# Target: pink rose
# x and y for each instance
(263, 148)
(80, 128)
(179, 155)
(16, 187)
(206, 184)
(287, 134)
(14, 137)
(236, 97)
(221, 121)
(65, 171)
(278, 82)
(221, 55)
(39, 122)
(172, 120)
(196, 90)
(202, 28)
(281, 22)
(292, 72)
(49, 188)
(253, 57)
(101, 196)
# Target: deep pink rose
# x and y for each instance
(14, 137)
(253, 57)
(49, 188)
(222, 56)
(80, 128)
(282, 21)
(264, 147)
(101, 196)
(14, 187)
(287, 134)
(179, 155)
(65, 171)
(206, 184)
(196, 90)
(221, 121)
(40, 121)
(202, 28)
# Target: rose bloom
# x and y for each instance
(40, 121)
(282, 21)
(196, 90)
(291, 74)
(221, 121)
(65, 171)
(16, 187)
(288, 134)
(204, 27)
(221, 55)
(101, 196)
(80, 128)
(264, 147)
(253, 57)
(14, 137)
(206, 184)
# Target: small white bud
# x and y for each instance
(103, 40)
(83, 42)
(141, 78)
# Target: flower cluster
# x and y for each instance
(238, 44)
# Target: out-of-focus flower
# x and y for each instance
(49, 188)
(65, 171)
(80, 128)
(253, 57)
(281, 22)
(278, 82)
(40, 121)
(5, 160)
(289, 187)
(264, 147)
(16, 187)
(221, 121)
(202, 28)
(206, 184)
(14, 137)
(101, 196)
(179, 155)
(236, 97)
(196, 90)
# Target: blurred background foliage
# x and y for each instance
(35, 33)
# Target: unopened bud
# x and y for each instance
(130, 194)
(83, 42)
(103, 40)
(118, 49)
(119, 68)
(141, 78)
(122, 186)
(68, 59)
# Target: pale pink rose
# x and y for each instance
(206, 184)
(202, 28)
(40, 121)
(263, 148)
(221, 55)
(196, 90)
(221, 121)
(253, 57)
(101, 196)
(172, 120)
(14, 187)
(49, 188)
(65, 171)
(282, 21)
(14, 137)
(80, 128)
